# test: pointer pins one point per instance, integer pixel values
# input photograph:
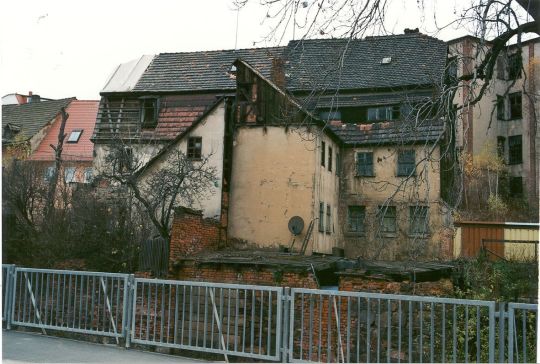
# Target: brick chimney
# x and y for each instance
(277, 73)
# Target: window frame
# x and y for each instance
(365, 169)
(321, 217)
(49, 172)
(194, 152)
(328, 229)
(414, 221)
(514, 66)
(154, 107)
(88, 171)
(73, 170)
(356, 220)
(323, 153)
(515, 149)
(514, 111)
(79, 131)
(387, 213)
(330, 152)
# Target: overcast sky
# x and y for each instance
(61, 48)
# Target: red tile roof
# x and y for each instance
(82, 116)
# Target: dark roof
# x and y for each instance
(391, 132)
(202, 71)
(32, 117)
(416, 59)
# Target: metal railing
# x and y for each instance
(228, 319)
(336, 326)
(83, 302)
(269, 323)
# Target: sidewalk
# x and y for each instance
(18, 347)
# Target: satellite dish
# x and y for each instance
(296, 225)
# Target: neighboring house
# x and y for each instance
(505, 121)
(290, 134)
(77, 149)
(25, 126)
(19, 99)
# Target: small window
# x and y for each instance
(515, 150)
(515, 105)
(49, 173)
(501, 110)
(74, 136)
(406, 163)
(516, 186)
(419, 220)
(387, 216)
(355, 219)
(330, 153)
(514, 66)
(124, 160)
(69, 174)
(88, 175)
(328, 219)
(321, 217)
(149, 113)
(501, 141)
(323, 153)
(194, 149)
(364, 164)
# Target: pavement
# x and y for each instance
(18, 347)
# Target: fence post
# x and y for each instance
(9, 294)
(130, 308)
(285, 329)
(502, 329)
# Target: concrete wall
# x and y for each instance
(277, 175)
(385, 187)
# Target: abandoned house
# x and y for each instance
(293, 135)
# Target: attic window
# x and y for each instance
(149, 112)
(75, 136)
(386, 60)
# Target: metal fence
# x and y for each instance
(212, 317)
(269, 323)
(84, 302)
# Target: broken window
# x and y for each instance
(69, 174)
(323, 153)
(74, 136)
(515, 105)
(355, 219)
(387, 216)
(149, 112)
(406, 163)
(328, 219)
(515, 150)
(321, 217)
(194, 148)
(330, 152)
(364, 164)
(418, 218)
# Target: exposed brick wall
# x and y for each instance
(192, 234)
(442, 288)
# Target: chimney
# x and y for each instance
(411, 31)
(277, 73)
(28, 98)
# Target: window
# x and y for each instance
(149, 112)
(355, 219)
(69, 174)
(515, 153)
(452, 70)
(387, 216)
(124, 161)
(74, 136)
(501, 110)
(364, 164)
(49, 172)
(88, 175)
(338, 164)
(418, 218)
(406, 163)
(328, 219)
(515, 105)
(323, 151)
(330, 159)
(194, 148)
(379, 113)
(330, 115)
(516, 186)
(501, 141)
(514, 66)
(321, 217)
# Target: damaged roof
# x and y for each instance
(390, 132)
(30, 118)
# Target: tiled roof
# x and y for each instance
(202, 71)
(32, 117)
(390, 132)
(82, 116)
(415, 59)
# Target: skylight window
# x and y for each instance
(386, 60)
(75, 136)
